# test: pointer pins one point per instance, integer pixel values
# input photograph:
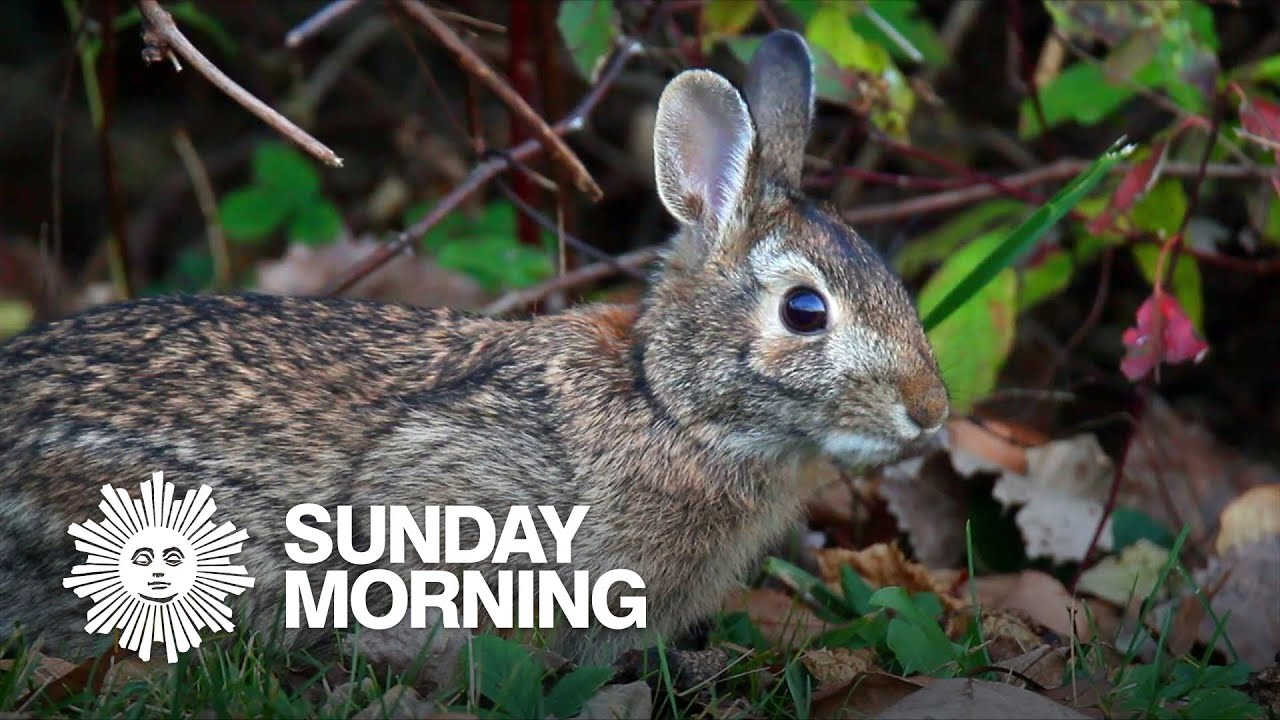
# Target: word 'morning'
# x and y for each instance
(510, 606)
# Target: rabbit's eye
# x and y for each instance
(804, 311)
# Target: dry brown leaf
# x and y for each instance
(87, 676)
(783, 620)
(1250, 518)
(400, 701)
(1044, 665)
(1249, 576)
(1008, 634)
(1043, 599)
(829, 493)
(1179, 474)
(962, 699)
(990, 446)
(632, 700)
(928, 501)
(1062, 497)
(432, 651)
(838, 666)
(866, 694)
(884, 565)
(405, 279)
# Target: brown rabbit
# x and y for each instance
(772, 336)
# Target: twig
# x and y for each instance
(317, 22)
(574, 278)
(163, 39)
(572, 241)
(476, 66)
(488, 169)
(208, 204)
(1059, 170)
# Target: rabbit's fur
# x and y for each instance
(683, 423)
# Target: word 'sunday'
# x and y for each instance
(458, 593)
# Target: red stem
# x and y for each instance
(520, 69)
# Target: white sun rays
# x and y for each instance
(158, 570)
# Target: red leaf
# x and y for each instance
(1163, 334)
(1260, 117)
(1135, 183)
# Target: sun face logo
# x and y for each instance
(158, 570)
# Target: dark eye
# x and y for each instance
(804, 311)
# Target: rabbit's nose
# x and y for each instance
(926, 404)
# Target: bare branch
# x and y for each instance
(489, 169)
(317, 22)
(578, 277)
(477, 67)
(164, 41)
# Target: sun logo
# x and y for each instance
(158, 570)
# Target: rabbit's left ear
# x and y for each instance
(779, 94)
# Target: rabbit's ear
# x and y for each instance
(779, 92)
(702, 146)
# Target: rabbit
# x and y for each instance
(771, 338)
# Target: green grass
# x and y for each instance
(250, 675)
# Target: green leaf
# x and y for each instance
(1049, 277)
(941, 242)
(830, 29)
(316, 223)
(1221, 702)
(903, 17)
(857, 593)
(588, 28)
(1129, 525)
(916, 650)
(1161, 209)
(15, 315)
(286, 172)
(971, 344)
(1081, 93)
(1021, 239)
(251, 213)
(567, 697)
(827, 605)
(1185, 284)
(725, 18)
(505, 673)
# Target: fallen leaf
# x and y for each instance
(990, 446)
(962, 699)
(1252, 517)
(306, 270)
(1178, 474)
(782, 619)
(612, 702)
(838, 666)
(927, 500)
(400, 701)
(866, 694)
(1249, 575)
(884, 565)
(1130, 576)
(1062, 497)
(432, 652)
(1045, 600)
(1044, 665)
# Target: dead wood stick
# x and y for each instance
(165, 42)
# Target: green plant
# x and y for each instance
(485, 247)
(902, 627)
(517, 685)
(284, 193)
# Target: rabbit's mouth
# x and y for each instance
(860, 449)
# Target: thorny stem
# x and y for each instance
(490, 168)
(164, 41)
